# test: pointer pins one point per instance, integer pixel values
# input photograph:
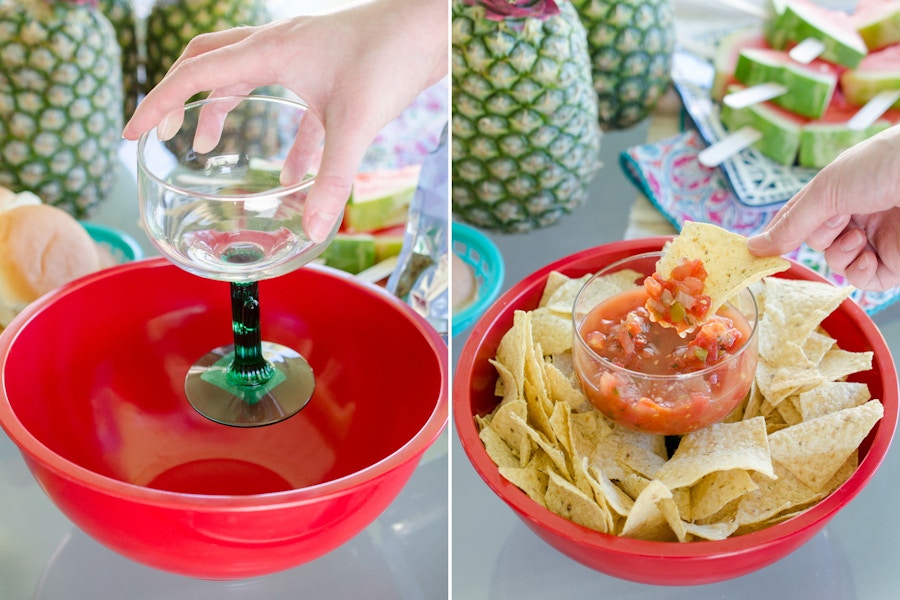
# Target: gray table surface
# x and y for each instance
(494, 555)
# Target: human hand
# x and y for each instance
(357, 68)
(851, 212)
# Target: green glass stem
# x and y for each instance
(249, 367)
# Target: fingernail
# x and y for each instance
(204, 144)
(852, 241)
(320, 226)
(759, 242)
(835, 221)
(169, 126)
(288, 175)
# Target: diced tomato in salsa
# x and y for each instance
(631, 340)
(678, 301)
(621, 331)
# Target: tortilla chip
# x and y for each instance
(507, 387)
(789, 411)
(830, 397)
(816, 345)
(553, 329)
(555, 279)
(513, 430)
(647, 521)
(711, 531)
(729, 265)
(616, 499)
(497, 449)
(838, 364)
(512, 349)
(815, 450)
(720, 447)
(550, 448)
(786, 372)
(797, 307)
(714, 491)
(569, 502)
(529, 479)
(563, 390)
(603, 287)
(563, 297)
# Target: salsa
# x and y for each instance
(678, 301)
(641, 393)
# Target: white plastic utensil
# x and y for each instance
(874, 108)
(807, 51)
(754, 95)
(728, 146)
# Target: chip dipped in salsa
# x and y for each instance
(650, 378)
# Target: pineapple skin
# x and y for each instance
(124, 20)
(60, 103)
(631, 44)
(526, 137)
(171, 24)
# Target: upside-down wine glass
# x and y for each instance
(211, 202)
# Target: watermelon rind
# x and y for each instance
(809, 90)
(781, 133)
(351, 252)
(881, 30)
(843, 46)
(821, 143)
(860, 86)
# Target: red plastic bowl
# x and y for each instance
(93, 395)
(662, 563)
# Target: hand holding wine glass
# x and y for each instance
(357, 68)
(214, 205)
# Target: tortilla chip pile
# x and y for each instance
(791, 443)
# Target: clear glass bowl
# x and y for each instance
(670, 403)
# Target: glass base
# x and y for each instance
(213, 396)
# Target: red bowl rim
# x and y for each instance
(61, 467)
(542, 518)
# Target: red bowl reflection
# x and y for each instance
(93, 395)
(662, 563)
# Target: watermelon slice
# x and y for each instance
(350, 252)
(878, 72)
(802, 20)
(356, 252)
(726, 55)
(821, 141)
(380, 199)
(810, 87)
(878, 23)
(781, 129)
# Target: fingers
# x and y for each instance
(343, 152)
(802, 216)
(228, 67)
(846, 250)
(306, 152)
(210, 123)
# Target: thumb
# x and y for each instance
(793, 224)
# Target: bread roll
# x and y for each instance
(41, 248)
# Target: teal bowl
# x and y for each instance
(121, 246)
(479, 252)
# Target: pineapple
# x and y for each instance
(122, 16)
(171, 24)
(525, 126)
(631, 44)
(60, 102)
